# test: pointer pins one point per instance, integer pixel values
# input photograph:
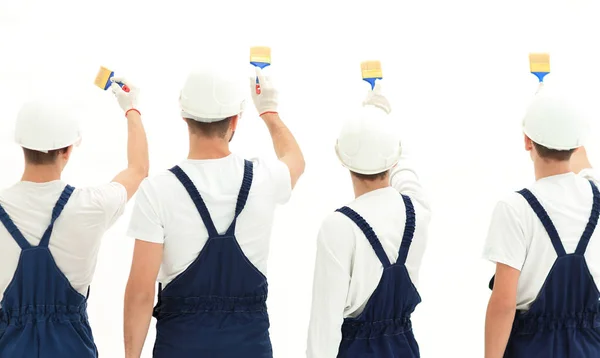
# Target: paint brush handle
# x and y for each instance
(123, 86)
(370, 81)
(257, 86)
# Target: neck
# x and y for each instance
(208, 148)
(546, 168)
(41, 173)
(362, 187)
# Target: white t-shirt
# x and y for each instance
(77, 233)
(347, 270)
(164, 212)
(518, 239)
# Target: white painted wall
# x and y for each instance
(456, 71)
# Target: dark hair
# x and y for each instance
(211, 130)
(553, 154)
(371, 177)
(40, 158)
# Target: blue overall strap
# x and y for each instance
(13, 230)
(58, 208)
(197, 199)
(545, 219)
(243, 194)
(369, 233)
(409, 230)
(591, 225)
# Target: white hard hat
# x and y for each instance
(213, 93)
(555, 121)
(45, 125)
(367, 143)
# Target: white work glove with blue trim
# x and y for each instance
(375, 98)
(267, 99)
(127, 100)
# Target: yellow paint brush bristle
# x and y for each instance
(103, 78)
(539, 64)
(371, 71)
(260, 56)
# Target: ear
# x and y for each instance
(528, 143)
(234, 122)
(67, 153)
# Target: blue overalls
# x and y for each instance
(217, 307)
(384, 329)
(42, 315)
(564, 320)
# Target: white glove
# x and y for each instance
(127, 100)
(540, 87)
(375, 98)
(267, 100)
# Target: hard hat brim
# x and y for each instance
(365, 171)
(75, 143)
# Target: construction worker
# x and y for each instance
(545, 244)
(203, 228)
(369, 252)
(51, 232)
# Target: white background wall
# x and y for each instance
(457, 74)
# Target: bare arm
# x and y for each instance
(137, 155)
(286, 147)
(139, 295)
(580, 161)
(501, 311)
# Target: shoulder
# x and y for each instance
(512, 209)
(268, 167)
(100, 195)
(422, 210)
(165, 179)
(591, 174)
(514, 200)
(272, 177)
(337, 230)
(336, 220)
(163, 184)
(5, 193)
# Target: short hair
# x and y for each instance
(553, 154)
(371, 177)
(211, 130)
(40, 158)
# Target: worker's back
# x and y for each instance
(214, 263)
(45, 272)
(164, 212)
(518, 238)
(363, 277)
(548, 232)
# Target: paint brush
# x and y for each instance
(103, 79)
(539, 64)
(371, 71)
(260, 56)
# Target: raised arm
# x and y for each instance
(137, 144)
(403, 176)
(286, 148)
